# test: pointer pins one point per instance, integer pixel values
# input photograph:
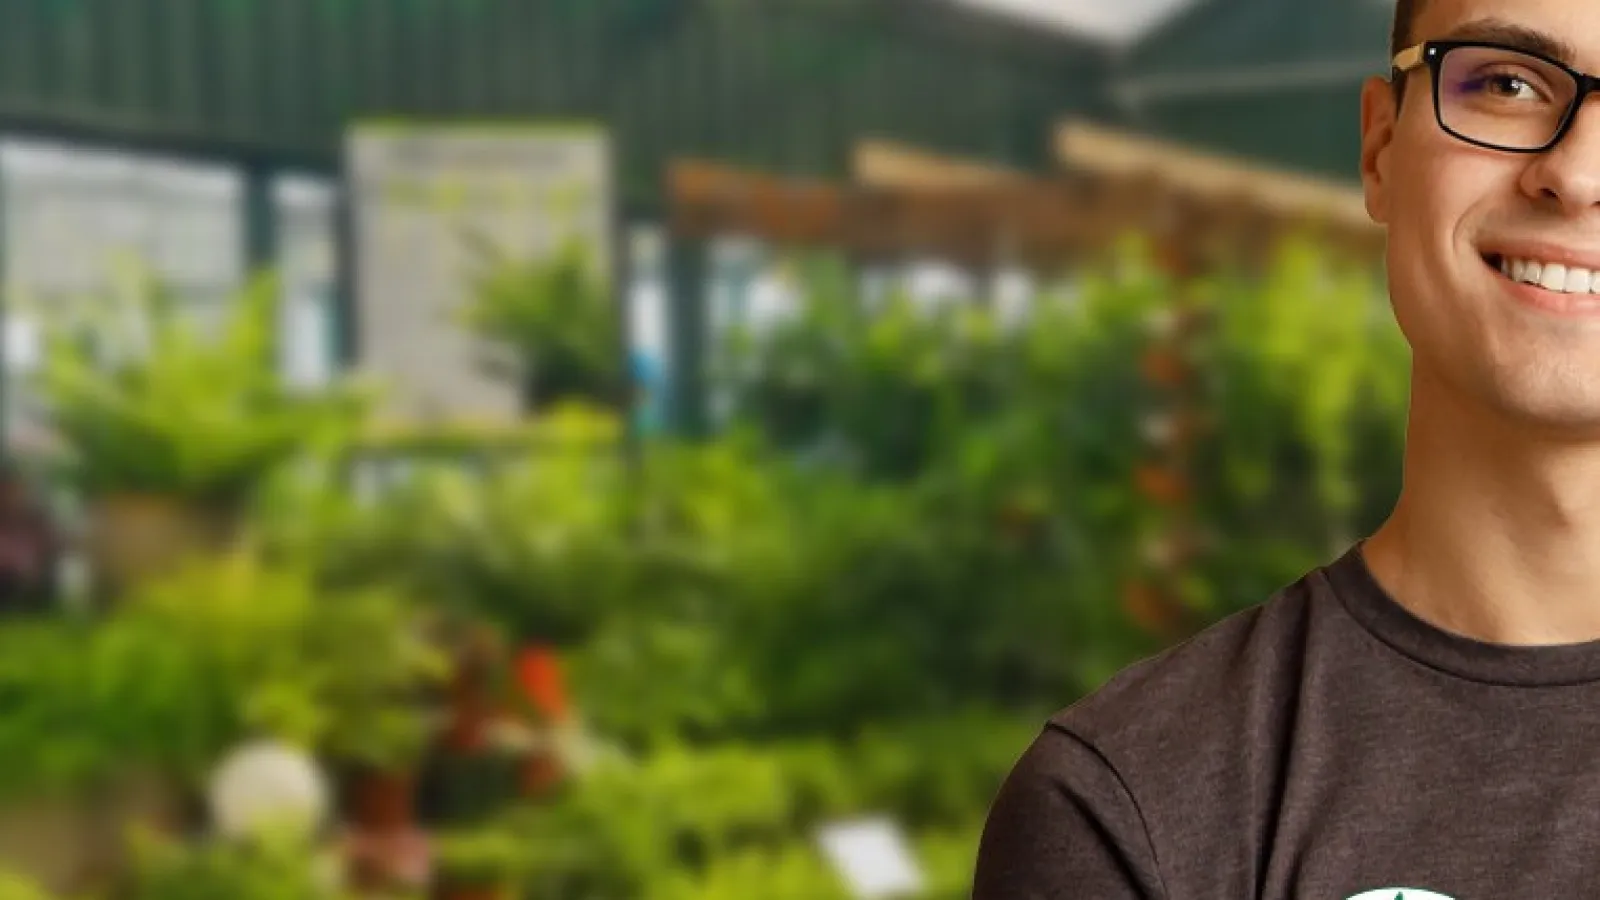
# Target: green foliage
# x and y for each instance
(484, 856)
(798, 871)
(887, 384)
(980, 564)
(1313, 369)
(557, 318)
(50, 736)
(266, 868)
(176, 409)
(774, 639)
(807, 601)
(525, 534)
(337, 672)
(1040, 430)
(15, 887)
(191, 665)
(791, 872)
(683, 819)
(539, 547)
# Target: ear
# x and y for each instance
(1379, 114)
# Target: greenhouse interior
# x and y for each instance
(778, 411)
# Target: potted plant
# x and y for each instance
(374, 667)
(251, 649)
(54, 761)
(371, 665)
(166, 429)
(559, 322)
(538, 549)
(480, 864)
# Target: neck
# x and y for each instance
(1496, 535)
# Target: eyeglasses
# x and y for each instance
(1498, 97)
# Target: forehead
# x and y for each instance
(1573, 22)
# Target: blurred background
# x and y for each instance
(669, 449)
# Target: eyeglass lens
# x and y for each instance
(1503, 98)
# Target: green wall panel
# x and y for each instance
(784, 84)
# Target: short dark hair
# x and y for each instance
(1405, 16)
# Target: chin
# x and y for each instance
(1469, 386)
(1567, 409)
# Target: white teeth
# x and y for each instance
(1552, 276)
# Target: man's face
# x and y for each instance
(1454, 211)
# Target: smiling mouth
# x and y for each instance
(1553, 277)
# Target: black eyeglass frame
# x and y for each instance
(1432, 54)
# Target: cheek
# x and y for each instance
(1433, 265)
(1438, 202)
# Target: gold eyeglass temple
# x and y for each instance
(1409, 58)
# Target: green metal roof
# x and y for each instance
(785, 85)
(1277, 80)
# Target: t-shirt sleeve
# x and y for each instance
(1064, 827)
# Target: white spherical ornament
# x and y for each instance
(268, 785)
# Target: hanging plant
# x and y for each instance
(558, 321)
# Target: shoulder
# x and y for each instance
(1163, 773)
(1207, 690)
(1064, 825)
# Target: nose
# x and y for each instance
(1568, 174)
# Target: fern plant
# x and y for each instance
(178, 410)
(556, 319)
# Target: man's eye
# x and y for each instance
(1510, 87)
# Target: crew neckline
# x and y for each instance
(1524, 666)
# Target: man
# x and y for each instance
(1420, 717)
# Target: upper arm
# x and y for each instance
(1064, 826)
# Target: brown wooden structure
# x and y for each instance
(910, 204)
(886, 164)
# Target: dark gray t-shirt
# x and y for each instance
(1321, 746)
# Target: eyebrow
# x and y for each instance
(1518, 37)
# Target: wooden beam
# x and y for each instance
(885, 164)
(1044, 223)
(1095, 151)
(1031, 219)
(708, 199)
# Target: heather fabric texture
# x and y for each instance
(1321, 745)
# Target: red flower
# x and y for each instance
(539, 677)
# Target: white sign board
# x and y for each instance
(421, 194)
(73, 216)
(873, 858)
